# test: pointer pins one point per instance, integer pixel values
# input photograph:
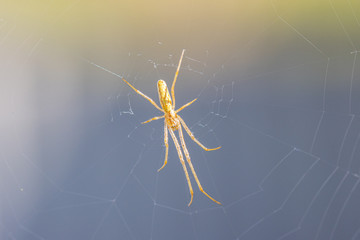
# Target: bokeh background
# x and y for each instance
(278, 87)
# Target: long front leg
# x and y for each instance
(177, 145)
(166, 145)
(191, 166)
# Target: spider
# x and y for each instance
(172, 123)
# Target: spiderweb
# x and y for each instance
(278, 87)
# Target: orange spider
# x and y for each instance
(172, 123)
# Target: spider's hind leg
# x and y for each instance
(185, 105)
(143, 95)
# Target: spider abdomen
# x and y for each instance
(164, 96)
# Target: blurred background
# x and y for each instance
(278, 87)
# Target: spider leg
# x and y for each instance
(175, 77)
(140, 93)
(187, 155)
(177, 145)
(166, 146)
(193, 137)
(186, 105)
(154, 118)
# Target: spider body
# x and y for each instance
(172, 123)
(166, 104)
(164, 96)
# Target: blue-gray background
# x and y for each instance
(278, 87)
